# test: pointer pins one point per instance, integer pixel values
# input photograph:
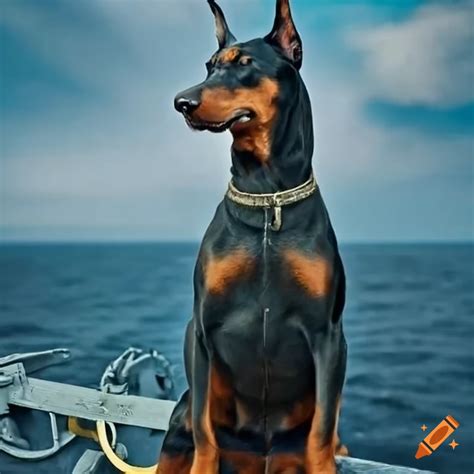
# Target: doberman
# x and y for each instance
(265, 353)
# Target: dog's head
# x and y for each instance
(247, 83)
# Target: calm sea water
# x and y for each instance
(409, 322)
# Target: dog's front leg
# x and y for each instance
(329, 352)
(206, 458)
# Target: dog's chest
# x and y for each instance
(255, 345)
(253, 292)
(257, 322)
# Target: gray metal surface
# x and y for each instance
(34, 361)
(70, 400)
(9, 442)
(87, 403)
(91, 462)
(362, 466)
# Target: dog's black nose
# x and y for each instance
(185, 105)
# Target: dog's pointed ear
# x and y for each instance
(284, 34)
(224, 36)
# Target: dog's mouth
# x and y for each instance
(239, 118)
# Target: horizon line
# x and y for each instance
(11, 242)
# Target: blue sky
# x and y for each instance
(91, 148)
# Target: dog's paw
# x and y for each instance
(341, 450)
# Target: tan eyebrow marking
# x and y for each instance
(229, 55)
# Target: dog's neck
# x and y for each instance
(291, 149)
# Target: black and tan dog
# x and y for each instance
(265, 353)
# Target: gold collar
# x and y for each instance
(273, 200)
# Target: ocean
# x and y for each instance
(409, 325)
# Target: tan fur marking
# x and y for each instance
(188, 422)
(241, 413)
(285, 463)
(219, 410)
(220, 104)
(207, 420)
(206, 457)
(221, 272)
(341, 449)
(223, 399)
(302, 411)
(244, 462)
(314, 274)
(320, 455)
(179, 464)
(228, 55)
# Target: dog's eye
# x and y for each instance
(245, 60)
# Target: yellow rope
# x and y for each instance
(114, 459)
(74, 427)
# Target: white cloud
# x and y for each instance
(127, 166)
(110, 43)
(426, 59)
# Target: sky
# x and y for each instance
(92, 149)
